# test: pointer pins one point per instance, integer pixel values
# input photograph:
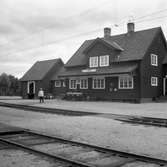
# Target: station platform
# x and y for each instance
(8, 129)
(151, 109)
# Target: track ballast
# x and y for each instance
(72, 152)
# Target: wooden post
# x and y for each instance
(164, 86)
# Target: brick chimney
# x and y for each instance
(107, 32)
(131, 27)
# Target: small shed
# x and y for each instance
(39, 76)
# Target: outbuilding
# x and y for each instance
(39, 76)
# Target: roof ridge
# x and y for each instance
(49, 60)
(134, 32)
(159, 27)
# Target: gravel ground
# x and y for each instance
(109, 133)
(10, 97)
(151, 109)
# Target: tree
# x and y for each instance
(9, 85)
(4, 84)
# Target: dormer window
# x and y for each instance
(154, 60)
(93, 61)
(104, 60)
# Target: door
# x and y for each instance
(31, 90)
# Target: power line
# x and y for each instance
(151, 19)
(56, 41)
(151, 14)
(89, 32)
(81, 13)
(65, 18)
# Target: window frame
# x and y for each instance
(71, 86)
(92, 61)
(86, 83)
(103, 63)
(57, 85)
(154, 59)
(154, 81)
(125, 84)
(97, 82)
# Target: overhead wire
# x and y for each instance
(137, 20)
(42, 30)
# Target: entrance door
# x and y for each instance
(31, 90)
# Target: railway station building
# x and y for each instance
(130, 66)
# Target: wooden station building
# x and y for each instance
(129, 66)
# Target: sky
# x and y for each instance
(35, 30)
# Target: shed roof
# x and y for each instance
(117, 68)
(39, 70)
(134, 46)
(56, 75)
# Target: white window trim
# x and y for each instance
(156, 81)
(71, 85)
(90, 61)
(57, 84)
(86, 84)
(107, 63)
(28, 85)
(100, 84)
(125, 77)
(156, 59)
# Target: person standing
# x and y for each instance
(41, 95)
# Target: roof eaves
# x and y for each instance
(158, 30)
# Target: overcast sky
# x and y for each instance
(32, 30)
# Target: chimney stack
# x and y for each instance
(107, 32)
(131, 27)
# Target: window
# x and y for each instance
(57, 83)
(125, 82)
(98, 83)
(154, 81)
(83, 84)
(104, 60)
(72, 84)
(93, 62)
(154, 60)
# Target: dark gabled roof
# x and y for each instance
(110, 44)
(117, 68)
(56, 75)
(39, 70)
(79, 57)
(134, 45)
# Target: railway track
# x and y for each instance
(46, 110)
(160, 122)
(73, 153)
